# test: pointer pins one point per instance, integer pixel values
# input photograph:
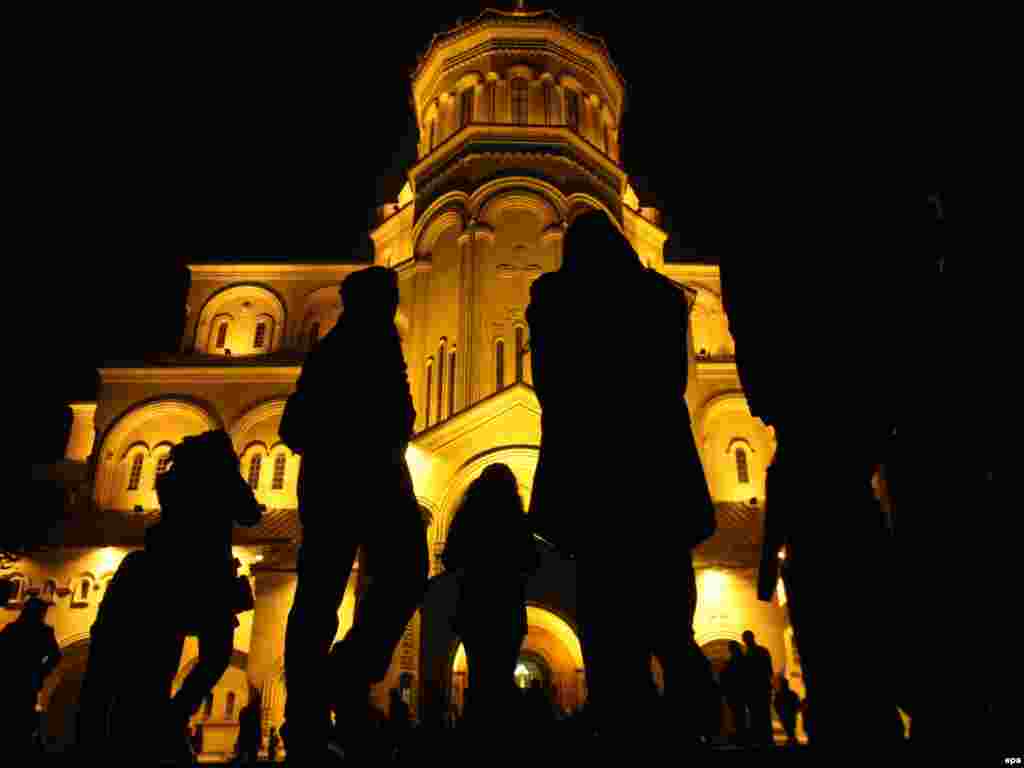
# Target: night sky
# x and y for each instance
(166, 138)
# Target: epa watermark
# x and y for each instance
(1013, 761)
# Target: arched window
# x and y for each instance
(519, 102)
(520, 354)
(440, 381)
(254, 470)
(17, 589)
(499, 365)
(549, 103)
(430, 384)
(451, 384)
(261, 335)
(279, 468)
(492, 101)
(433, 131)
(466, 107)
(161, 466)
(229, 706)
(314, 334)
(742, 473)
(135, 476)
(572, 110)
(222, 335)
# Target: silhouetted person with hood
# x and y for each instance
(30, 653)
(734, 691)
(758, 675)
(202, 496)
(491, 550)
(619, 483)
(787, 705)
(351, 418)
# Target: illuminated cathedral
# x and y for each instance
(519, 119)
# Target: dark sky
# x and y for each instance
(165, 138)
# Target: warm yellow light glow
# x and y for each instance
(110, 558)
(780, 592)
(782, 554)
(521, 670)
(712, 585)
(257, 559)
(419, 464)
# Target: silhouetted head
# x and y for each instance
(783, 684)
(497, 484)
(594, 243)
(371, 293)
(34, 611)
(735, 649)
(748, 638)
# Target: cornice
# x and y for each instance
(201, 375)
(715, 370)
(694, 271)
(273, 271)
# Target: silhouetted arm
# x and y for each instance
(52, 655)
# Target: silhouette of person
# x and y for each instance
(758, 676)
(249, 732)
(202, 495)
(787, 705)
(273, 741)
(399, 721)
(735, 691)
(351, 418)
(830, 437)
(491, 551)
(618, 479)
(30, 653)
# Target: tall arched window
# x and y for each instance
(451, 384)
(520, 355)
(430, 384)
(742, 472)
(222, 335)
(161, 466)
(314, 334)
(549, 103)
(572, 109)
(433, 132)
(260, 339)
(280, 462)
(135, 476)
(254, 470)
(229, 707)
(492, 101)
(466, 107)
(519, 101)
(440, 381)
(499, 365)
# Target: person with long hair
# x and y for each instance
(491, 550)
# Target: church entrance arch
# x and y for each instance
(550, 656)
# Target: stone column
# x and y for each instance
(467, 305)
(274, 590)
(83, 432)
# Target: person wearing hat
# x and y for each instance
(351, 417)
(30, 653)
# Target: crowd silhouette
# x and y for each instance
(653, 479)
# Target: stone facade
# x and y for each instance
(518, 117)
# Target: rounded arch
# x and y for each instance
(732, 401)
(237, 299)
(580, 202)
(522, 459)
(138, 445)
(519, 191)
(254, 415)
(185, 415)
(323, 306)
(447, 212)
